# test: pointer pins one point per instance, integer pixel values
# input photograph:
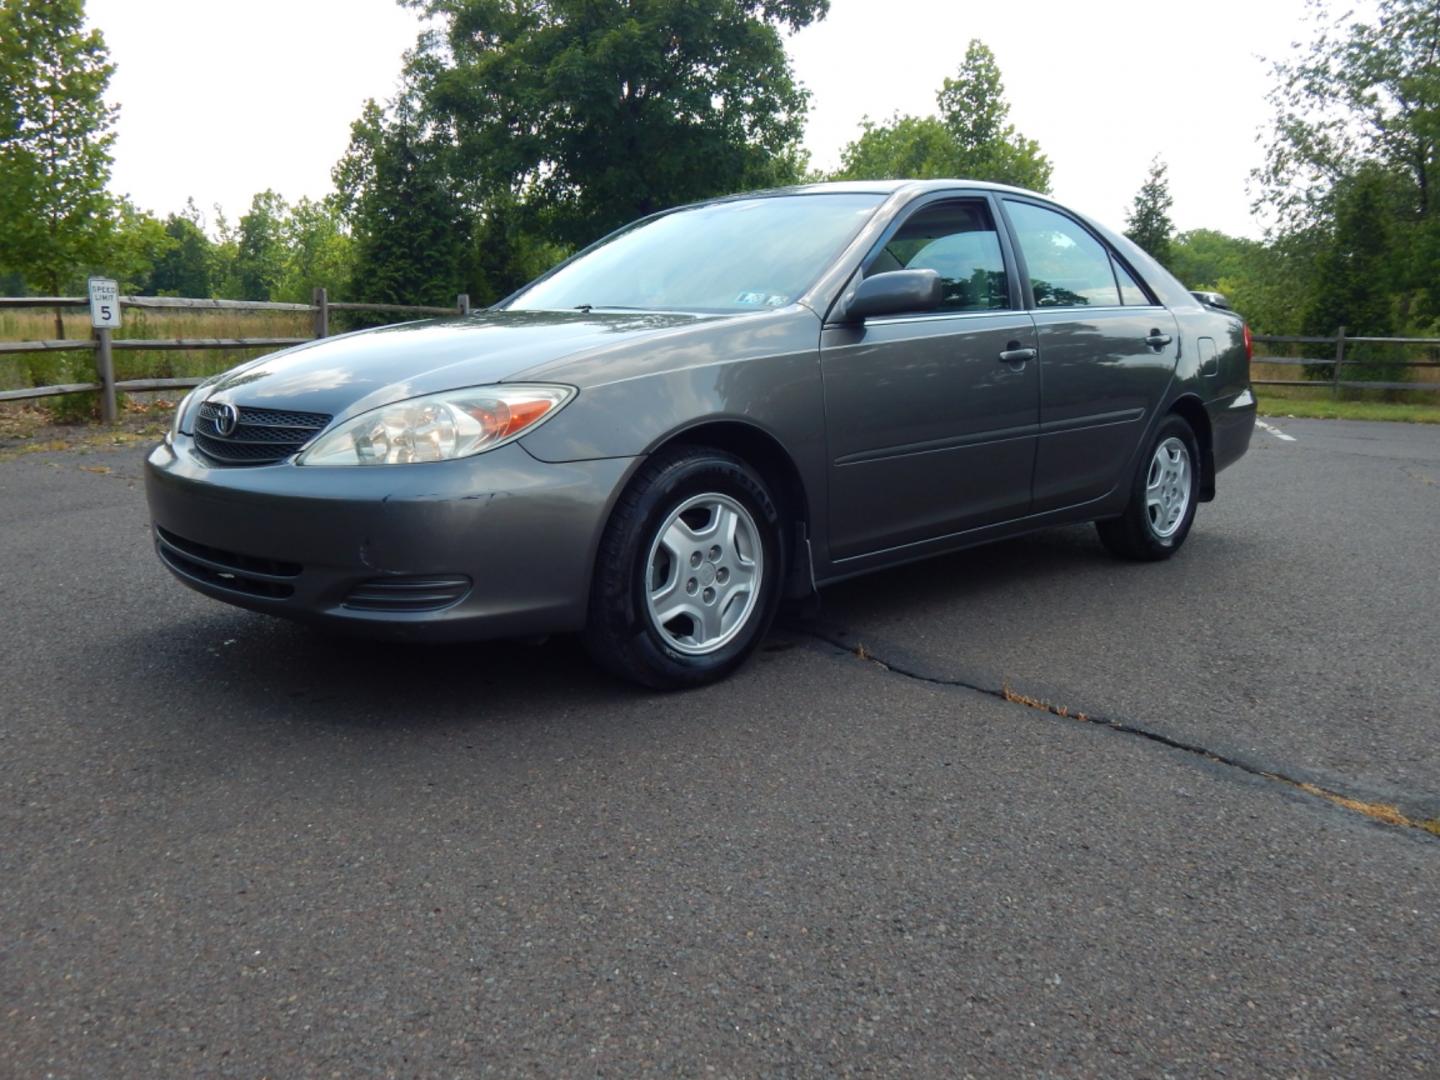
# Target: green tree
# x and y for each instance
(260, 247)
(410, 233)
(1201, 257)
(1363, 95)
(905, 148)
(224, 256)
(318, 251)
(971, 136)
(1148, 221)
(138, 241)
(55, 138)
(1353, 273)
(594, 112)
(187, 267)
(1270, 283)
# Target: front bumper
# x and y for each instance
(511, 538)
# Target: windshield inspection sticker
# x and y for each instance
(763, 299)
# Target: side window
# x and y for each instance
(1068, 267)
(1131, 294)
(958, 241)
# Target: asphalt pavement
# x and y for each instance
(230, 846)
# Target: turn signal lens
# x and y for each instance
(438, 427)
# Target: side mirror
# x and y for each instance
(895, 293)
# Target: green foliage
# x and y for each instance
(971, 137)
(509, 248)
(905, 148)
(595, 112)
(260, 247)
(138, 240)
(1357, 127)
(410, 232)
(318, 252)
(1267, 283)
(1201, 257)
(186, 267)
(1148, 222)
(1271, 285)
(55, 138)
(1353, 273)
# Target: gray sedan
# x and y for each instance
(706, 413)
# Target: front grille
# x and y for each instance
(261, 436)
(269, 578)
(408, 593)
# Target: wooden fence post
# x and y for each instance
(105, 368)
(321, 300)
(1339, 361)
(462, 303)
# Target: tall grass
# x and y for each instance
(1366, 362)
(49, 369)
(46, 369)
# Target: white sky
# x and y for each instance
(223, 98)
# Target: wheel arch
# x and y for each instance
(766, 454)
(1190, 408)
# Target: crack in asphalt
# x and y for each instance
(1382, 812)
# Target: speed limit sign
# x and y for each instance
(104, 303)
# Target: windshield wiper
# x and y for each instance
(586, 308)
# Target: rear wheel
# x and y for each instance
(1163, 497)
(687, 578)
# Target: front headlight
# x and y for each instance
(438, 427)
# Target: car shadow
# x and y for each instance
(1019, 571)
(253, 665)
(224, 663)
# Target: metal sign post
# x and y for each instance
(104, 317)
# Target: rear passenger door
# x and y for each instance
(1107, 352)
(931, 416)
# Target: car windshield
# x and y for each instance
(745, 255)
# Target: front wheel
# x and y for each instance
(1163, 497)
(688, 575)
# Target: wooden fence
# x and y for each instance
(1336, 360)
(103, 345)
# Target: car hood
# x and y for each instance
(365, 370)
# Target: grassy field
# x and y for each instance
(1406, 406)
(1303, 401)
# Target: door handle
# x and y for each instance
(1157, 340)
(1013, 353)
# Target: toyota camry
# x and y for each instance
(710, 411)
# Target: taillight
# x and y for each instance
(1249, 345)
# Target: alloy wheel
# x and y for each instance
(1167, 487)
(704, 573)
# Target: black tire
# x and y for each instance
(620, 633)
(1135, 534)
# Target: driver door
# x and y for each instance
(930, 431)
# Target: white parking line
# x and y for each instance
(1274, 431)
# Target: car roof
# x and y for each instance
(877, 187)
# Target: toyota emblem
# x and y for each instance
(226, 419)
